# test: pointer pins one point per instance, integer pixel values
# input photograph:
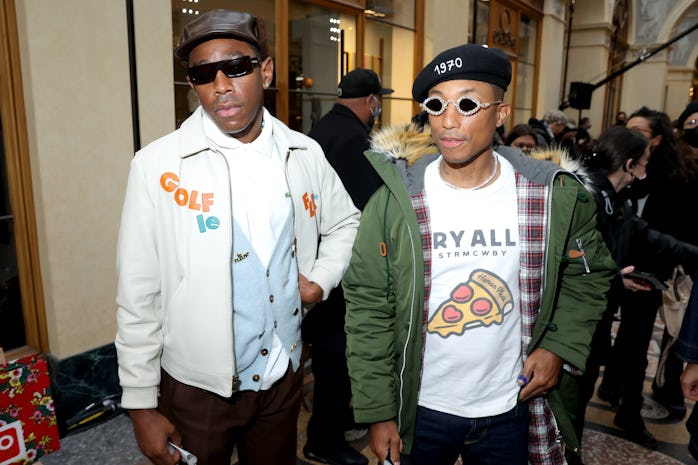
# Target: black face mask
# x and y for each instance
(691, 137)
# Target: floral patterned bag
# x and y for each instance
(28, 427)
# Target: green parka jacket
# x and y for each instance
(385, 285)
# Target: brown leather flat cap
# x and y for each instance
(222, 23)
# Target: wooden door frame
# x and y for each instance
(16, 144)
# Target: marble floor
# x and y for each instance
(112, 442)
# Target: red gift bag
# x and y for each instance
(28, 428)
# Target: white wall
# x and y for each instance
(446, 25)
(588, 58)
(75, 71)
(645, 84)
(551, 59)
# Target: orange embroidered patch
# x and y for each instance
(575, 253)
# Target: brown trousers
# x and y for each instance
(261, 424)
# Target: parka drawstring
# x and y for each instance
(607, 200)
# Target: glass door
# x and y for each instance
(389, 51)
(322, 48)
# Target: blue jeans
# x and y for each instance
(501, 439)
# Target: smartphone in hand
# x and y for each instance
(387, 460)
(646, 278)
(404, 460)
(187, 457)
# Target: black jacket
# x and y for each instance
(344, 138)
(630, 238)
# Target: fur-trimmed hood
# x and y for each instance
(409, 142)
(599, 185)
(574, 166)
(411, 148)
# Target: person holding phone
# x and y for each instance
(614, 162)
(658, 201)
(232, 226)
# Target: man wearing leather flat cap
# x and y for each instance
(476, 280)
(343, 135)
(219, 258)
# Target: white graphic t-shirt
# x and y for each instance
(472, 351)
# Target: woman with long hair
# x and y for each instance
(618, 158)
(660, 200)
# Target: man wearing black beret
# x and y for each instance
(476, 281)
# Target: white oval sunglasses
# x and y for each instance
(466, 106)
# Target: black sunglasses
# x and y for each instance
(466, 106)
(203, 74)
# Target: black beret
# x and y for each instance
(222, 23)
(470, 61)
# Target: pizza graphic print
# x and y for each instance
(483, 300)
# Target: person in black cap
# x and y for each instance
(343, 135)
(475, 282)
(344, 131)
(233, 226)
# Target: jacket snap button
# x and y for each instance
(295, 312)
(293, 346)
(271, 298)
(264, 352)
(255, 378)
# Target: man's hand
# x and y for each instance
(541, 370)
(689, 381)
(311, 293)
(152, 431)
(385, 439)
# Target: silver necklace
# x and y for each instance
(479, 186)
